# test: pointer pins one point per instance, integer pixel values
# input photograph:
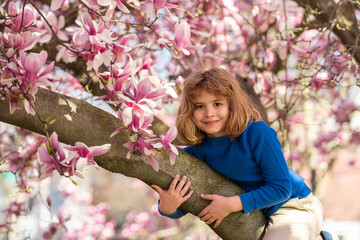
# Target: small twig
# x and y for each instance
(51, 28)
(22, 16)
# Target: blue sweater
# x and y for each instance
(256, 162)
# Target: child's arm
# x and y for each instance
(219, 208)
(172, 198)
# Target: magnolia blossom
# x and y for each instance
(15, 42)
(144, 147)
(86, 154)
(54, 227)
(152, 7)
(24, 20)
(182, 39)
(165, 143)
(67, 160)
(57, 24)
(30, 76)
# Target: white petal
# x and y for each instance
(127, 115)
(81, 163)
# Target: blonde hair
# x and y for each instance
(217, 81)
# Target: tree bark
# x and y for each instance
(76, 120)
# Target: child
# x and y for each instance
(221, 127)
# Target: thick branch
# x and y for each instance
(93, 126)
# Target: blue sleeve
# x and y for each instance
(175, 215)
(189, 150)
(267, 152)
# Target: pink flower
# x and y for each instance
(165, 143)
(30, 15)
(143, 94)
(86, 154)
(144, 147)
(75, 159)
(47, 154)
(32, 64)
(152, 7)
(270, 58)
(57, 23)
(343, 111)
(15, 41)
(27, 69)
(141, 104)
(54, 227)
(182, 39)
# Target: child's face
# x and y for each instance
(211, 113)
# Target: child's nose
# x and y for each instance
(210, 112)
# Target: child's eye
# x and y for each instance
(199, 106)
(218, 104)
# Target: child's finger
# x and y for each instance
(203, 212)
(185, 188)
(207, 196)
(206, 218)
(158, 189)
(173, 183)
(187, 196)
(217, 223)
(180, 184)
(210, 221)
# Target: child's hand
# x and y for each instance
(219, 208)
(172, 198)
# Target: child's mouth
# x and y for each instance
(210, 122)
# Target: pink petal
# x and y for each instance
(28, 108)
(129, 145)
(156, 94)
(172, 158)
(54, 139)
(48, 69)
(98, 150)
(82, 149)
(158, 145)
(45, 175)
(22, 58)
(43, 155)
(122, 7)
(170, 135)
(88, 24)
(148, 120)
(154, 164)
(126, 38)
(116, 131)
(30, 16)
(56, 4)
(34, 62)
(143, 88)
(182, 34)
(12, 9)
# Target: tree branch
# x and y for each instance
(93, 126)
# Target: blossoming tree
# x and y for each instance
(290, 56)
